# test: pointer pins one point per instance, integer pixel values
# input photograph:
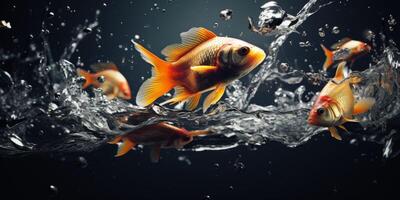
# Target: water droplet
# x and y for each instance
(53, 190)
(226, 14)
(105, 4)
(137, 37)
(87, 30)
(50, 14)
(326, 26)
(321, 32)
(164, 10)
(391, 20)
(215, 25)
(305, 44)
(82, 162)
(335, 30)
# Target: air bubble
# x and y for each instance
(321, 32)
(226, 14)
(335, 30)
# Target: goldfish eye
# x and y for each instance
(243, 51)
(320, 111)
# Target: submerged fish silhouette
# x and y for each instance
(161, 135)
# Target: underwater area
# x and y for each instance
(88, 110)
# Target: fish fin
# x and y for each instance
(203, 68)
(115, 140)
(334, 133)
(343, 127)
(199, 132)
(329, 58)
(340, 72)
(98, 67)
(192, 102)
(124, 147)
(350, 120)
(88, 77)
(363, 105)
(355, 79)
(190, 40)
(214, 96)
(180, 94)
(159, 83)
(155, 153)
(341, 42)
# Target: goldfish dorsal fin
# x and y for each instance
(363, 105)
(340, 72)
(98, 67)
(334, 133)
(190, 40)
(340, 43)
(203, 68)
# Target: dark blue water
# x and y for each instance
(277, 157)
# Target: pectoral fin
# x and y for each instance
(363, 106)
(203, 68)
(214, 96)
(344, 128)
(334, 133)
(155, 153)
(192, 102)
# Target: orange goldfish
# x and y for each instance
(202, 62)
(336, 105)
(161, 135)
(345, 50)
(114, 84)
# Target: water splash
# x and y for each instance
(51, 113)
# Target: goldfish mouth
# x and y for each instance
(258, 57)
(311, 120)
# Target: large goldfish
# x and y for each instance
(201, 63)
(345, 50)
(114, 83)
(161, 135)
(336, 105)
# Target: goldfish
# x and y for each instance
(345, 50)
(114, 84)
(160, 135)
(202, 62)
(336, 104)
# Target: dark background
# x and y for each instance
(322, 168)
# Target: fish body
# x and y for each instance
(161, 135)
(114, 83)
(201, 63)
(345, 50)
(336, 104)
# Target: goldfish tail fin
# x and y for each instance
(124, 147)
(329, 58)
(115, 140)
(88, 77)
(159, 83)
(363, 105)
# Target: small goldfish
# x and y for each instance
(114, 83)
(345, 50)
(201, 63)
(161, 135)
(336, 105)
